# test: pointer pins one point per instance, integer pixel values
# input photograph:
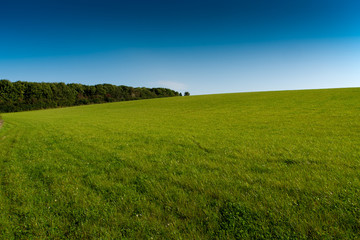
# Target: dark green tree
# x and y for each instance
(20, 96)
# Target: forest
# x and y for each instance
(23, 96)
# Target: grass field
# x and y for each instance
(266, 165)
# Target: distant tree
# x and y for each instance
(186, 94)
(22, 96)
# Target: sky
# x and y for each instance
(203, 47)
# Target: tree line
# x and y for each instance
(23, 96)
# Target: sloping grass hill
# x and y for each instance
(263, 165)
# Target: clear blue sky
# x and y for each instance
(188, 45)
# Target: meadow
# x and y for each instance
(259, 165)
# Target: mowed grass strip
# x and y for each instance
(260, 165)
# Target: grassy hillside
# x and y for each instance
(248, 165)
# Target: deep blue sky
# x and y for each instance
(198, 46)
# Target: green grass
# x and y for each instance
(282, 165)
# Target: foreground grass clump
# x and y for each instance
(236, 166)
